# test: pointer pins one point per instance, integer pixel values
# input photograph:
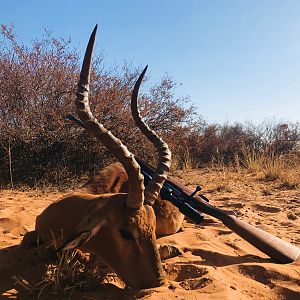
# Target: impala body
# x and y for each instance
(114, 179)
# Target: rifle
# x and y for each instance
(191, 205)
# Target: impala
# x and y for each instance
(118, 226)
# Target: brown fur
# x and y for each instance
(136, 261)
(119, 228)
(113, 179)
(61, 217)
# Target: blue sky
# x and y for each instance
(238, 60)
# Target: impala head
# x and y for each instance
(121, 228)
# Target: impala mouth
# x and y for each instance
(154, 284)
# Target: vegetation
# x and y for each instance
(39, 147)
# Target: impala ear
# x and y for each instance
(85, 230)
(75, 241)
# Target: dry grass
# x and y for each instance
(271, 167)
(175, 164)
(265, 165)
(252, 160)
(187, 161)
(64, 276)
(218, 162)
(237, 163)
(70, 271)
(184, 162)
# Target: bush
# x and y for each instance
(39, 147)
(37, 89)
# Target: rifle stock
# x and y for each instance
(276, 248)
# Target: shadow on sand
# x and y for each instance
(26, 263)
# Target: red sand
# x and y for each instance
(215, 264)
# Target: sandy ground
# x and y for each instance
(215, 263)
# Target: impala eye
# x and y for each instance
(126, 234)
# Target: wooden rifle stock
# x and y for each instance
(278, 249)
